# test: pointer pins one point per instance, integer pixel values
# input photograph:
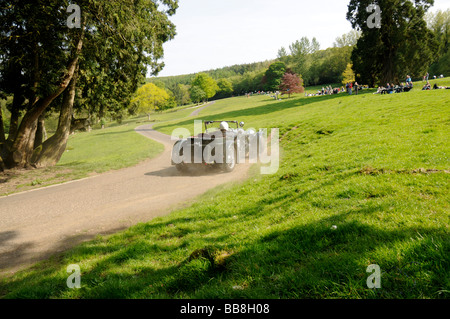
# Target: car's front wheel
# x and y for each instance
(181, 167)
(230, 160)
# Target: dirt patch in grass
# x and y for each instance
(374, 171)
(19, 180)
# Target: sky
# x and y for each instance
(216, 33)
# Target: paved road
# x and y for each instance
(37, 224)
(199, 109)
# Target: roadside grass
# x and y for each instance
(108, 149)
(374, 166)
(87, 154)
(158, 116)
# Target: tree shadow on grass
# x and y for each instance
(259, 110)
(311, 259)
(112, 133)
(20, 257)
(301, 261)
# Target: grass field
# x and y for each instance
(103, 150)
(374, 166)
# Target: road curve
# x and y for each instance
(200, 108)
(37, 224)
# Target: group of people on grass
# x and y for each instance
(350, 86)
(435, 87)
(388, 89)
(426, 76)
(329, 90)
(391, 88)
(326, 90)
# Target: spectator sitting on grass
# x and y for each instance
(379, 90)
(409, 82)
(399, 88)
(427, 86)
(436, 87)
(389, 89)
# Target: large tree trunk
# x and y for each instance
(388, 67)
(14, 119)
(50, 152)
(30, 139)
(2, 130)
(41, 133)
(2, 140)
(29, 145)
(388, 70)
(20, 153)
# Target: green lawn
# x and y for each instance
(374, 166)
(108, 149)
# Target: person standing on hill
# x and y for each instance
(350, 87)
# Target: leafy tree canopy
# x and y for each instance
(273, 76)
(206, 84)
(225, 88)
(197, 94)
(150, 97)
(348, 75)
(402, 45)
(102, 62)
(439, 24)
(291, 83)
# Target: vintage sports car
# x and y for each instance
(219, 146)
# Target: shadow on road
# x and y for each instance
(192, 171)
(5, 236)
(23, 255)
(12, 254)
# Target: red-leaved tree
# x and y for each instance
(291, 83)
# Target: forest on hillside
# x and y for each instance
(305, 58)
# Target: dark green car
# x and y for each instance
(220, 145)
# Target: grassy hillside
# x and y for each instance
(362, 180)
